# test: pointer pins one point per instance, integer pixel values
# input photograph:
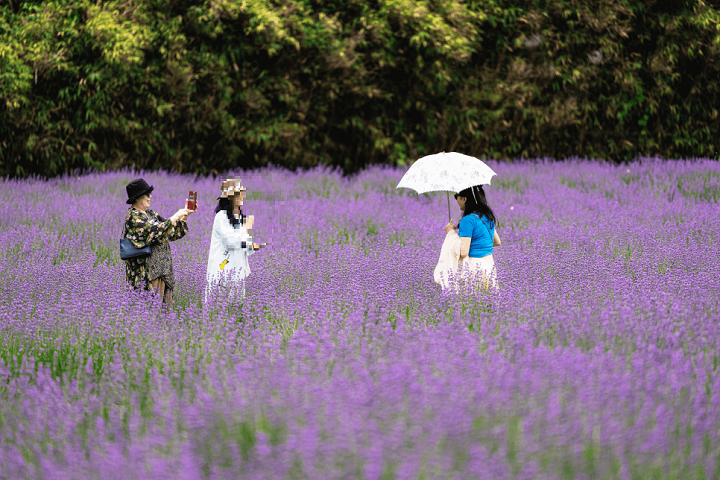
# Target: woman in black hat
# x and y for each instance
(144, 228)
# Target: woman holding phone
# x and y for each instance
(144, 227)
(231, 243)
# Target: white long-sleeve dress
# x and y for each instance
(228, 265)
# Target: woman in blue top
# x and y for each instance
(477, 233)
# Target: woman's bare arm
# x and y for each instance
(496, 239)
(464, 246)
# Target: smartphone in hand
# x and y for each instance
(192, 200)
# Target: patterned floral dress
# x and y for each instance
(143, 229)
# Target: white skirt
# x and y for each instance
(480, 270)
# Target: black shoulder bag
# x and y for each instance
(128, 250)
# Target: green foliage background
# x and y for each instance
(209, 85)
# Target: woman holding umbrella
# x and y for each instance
(455, 172)
(477, 234)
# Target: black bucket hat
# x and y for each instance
(136, 189)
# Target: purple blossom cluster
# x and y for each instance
(597, 357)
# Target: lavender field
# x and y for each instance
(596, 358)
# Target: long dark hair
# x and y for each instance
(224, 204)
(480, 207)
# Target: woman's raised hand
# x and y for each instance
(187, 203)
(449, 226)
(180, 215)
(250, 222)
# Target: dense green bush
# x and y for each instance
(203, 86)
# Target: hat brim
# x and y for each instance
(242, 190)
(132, 199)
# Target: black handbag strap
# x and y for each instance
(488, 228)
(125, 225)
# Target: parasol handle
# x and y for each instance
(447, 195)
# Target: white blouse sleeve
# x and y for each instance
(232, 238)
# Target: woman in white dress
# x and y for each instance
(230, 245)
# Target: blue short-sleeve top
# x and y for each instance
(481, 232)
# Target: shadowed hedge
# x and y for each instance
(174, 84)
